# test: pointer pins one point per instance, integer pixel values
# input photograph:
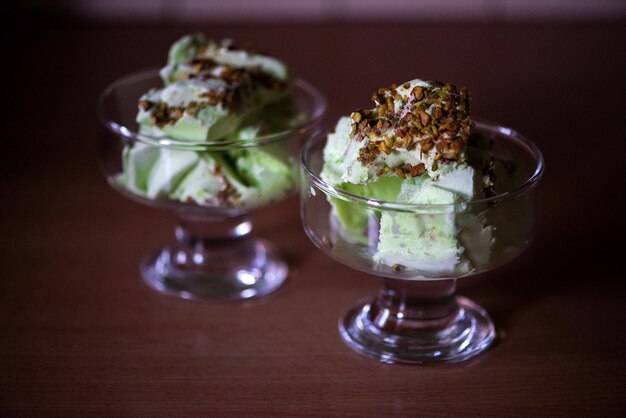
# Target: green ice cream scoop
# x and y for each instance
(214, 92)
(410, 149)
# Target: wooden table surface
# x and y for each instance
(81, 335)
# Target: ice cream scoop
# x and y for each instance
(410, 148)
(214, 92)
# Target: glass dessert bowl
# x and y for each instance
(211, 186)
(417, 316)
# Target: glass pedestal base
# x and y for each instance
(265, 272)
(215, 258)
(398, 327)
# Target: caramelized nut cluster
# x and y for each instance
(430, 117)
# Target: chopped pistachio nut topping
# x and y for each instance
(419, 118)
(161, 114)
(489, 174)
(238, 82)
(228, 194)
(397, 267)
(206, 68)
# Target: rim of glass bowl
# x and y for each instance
(480, 124)
(167, 142)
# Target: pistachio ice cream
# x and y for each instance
(411, 148)
(214, 92)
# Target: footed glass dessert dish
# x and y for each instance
(420, 250)
(187, 158)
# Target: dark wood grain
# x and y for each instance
(81, 335)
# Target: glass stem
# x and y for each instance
(210, 241)
(215, 257)
(404, 307)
